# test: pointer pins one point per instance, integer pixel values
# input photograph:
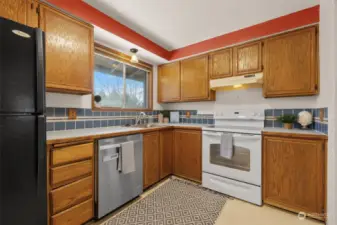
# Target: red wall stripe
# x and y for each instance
(283, 23)
(92, 15)
(280, 24)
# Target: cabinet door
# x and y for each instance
(194, 79)
(169, 82)
(32, 13)
(15, 10)
(290, 64)
(221, 63)
(293, 174)
(248, 58)
(187, 154)
(166, 150)
(151, 158)
(69, 52)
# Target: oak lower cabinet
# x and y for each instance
(166, 153)
(151, 165)
(169, 82)
(290, 64)
(195, 79)
(294, 174)
(187, 154)
(69, 52)
(71, 183)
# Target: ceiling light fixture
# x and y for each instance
(134, 58)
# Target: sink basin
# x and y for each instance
(148, 125)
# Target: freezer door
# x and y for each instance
(21, 68)
(23, 170)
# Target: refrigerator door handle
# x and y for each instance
(41, 155)
(40, 71)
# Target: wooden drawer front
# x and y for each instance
(72, 194)
(76, 215)
(70, 154)
(63, 175)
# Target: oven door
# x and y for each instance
(245, 165)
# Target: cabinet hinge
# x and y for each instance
(262, 67)
(38, 10)
(32, 5)
(316, 87)
(262, 44)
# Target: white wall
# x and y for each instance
(249, 98)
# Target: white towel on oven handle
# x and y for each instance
(226, 145)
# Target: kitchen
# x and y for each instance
(128, 114)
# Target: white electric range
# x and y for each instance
(239, 176)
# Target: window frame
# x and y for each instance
(123, 58)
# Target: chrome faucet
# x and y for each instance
(141, 115)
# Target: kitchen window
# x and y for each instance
(120, 84)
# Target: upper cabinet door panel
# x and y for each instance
(221, 63)
(15, 10)
(169, 82)
(248, 58)
(195, 79)
(290, 62)
(69, 51)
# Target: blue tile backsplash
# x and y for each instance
(86, 118)
(318, 125)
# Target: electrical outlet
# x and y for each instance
(72, 114)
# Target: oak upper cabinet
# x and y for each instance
(247, 58)
(195, 79)
(169, 82)
(166, 153)
(15, 10)
(69, 52)
(290, 64)
(293, 174)
(187, 154)
(151, 167)
(220, 63)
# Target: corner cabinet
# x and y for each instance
(290, 64)
(294, 174)
(169, 82)
(195, 79)
(69, 52)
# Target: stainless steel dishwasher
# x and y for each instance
(113, 187)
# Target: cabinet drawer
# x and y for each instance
(76, 215)
(66, 174)
(72, 194)
(75, 153)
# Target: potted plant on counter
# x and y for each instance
(287, 121)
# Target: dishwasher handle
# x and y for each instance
(116, 156)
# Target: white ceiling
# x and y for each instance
(177, 23)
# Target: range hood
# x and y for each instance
(237, 81)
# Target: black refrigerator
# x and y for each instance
(23, 191)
